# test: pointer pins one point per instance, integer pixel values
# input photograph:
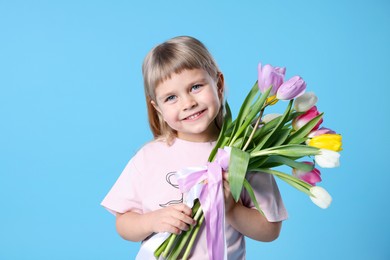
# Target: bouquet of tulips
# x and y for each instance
(256, 142)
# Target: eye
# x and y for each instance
(196, 87)
(170, 98)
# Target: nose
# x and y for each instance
(189, 102)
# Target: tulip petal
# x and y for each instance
(320, 197)
(268, 117)
(327, 159)
(291, 89)
(327, 141)
(305, 102)
(321, 131)
(269, 75)
(311, 177)
(303, 119)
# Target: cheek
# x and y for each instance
(216, 100)
(168, 115)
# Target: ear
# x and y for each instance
(154, 104)
(220, 84)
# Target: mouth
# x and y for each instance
(194, 116)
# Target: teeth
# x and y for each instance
(193, 116)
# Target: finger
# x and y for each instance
(172, 229)
(177, 225)
(225, 175)
(184, 208)
(226, 186)
(187, 220)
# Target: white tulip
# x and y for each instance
(305, 102)
(320, 197)
(269, 117)
(327, 159)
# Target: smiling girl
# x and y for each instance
(184, 92)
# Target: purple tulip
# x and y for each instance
(268, 76)
(291, 89)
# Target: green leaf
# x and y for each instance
(297, 140)
(289, 162)
(304, 130)
(293, 181)
(249, 189)
(222, 140)
(256, 162)
(247, 133)
(282, 121)
(254, 110)
(238, 143)
(276, 139)
(266, 128)
(291, 150)
(245, 107)
(238, 166)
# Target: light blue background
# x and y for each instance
(72, 114)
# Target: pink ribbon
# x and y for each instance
(212, 201)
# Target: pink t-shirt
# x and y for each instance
(148, 183)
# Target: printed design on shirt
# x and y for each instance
(176, 186)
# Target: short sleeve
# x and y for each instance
(125, 194)
(268, 196)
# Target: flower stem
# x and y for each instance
(183, 238)
(270, 101)
(193, 237)
(254, 130)
(161, 248)
(172, 239)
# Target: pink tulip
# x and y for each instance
(303, 119)
(291, 89)
(311, 177)
(268, 76)
(321, 131)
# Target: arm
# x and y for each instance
(136, 227)
(253, 224)
(247, 221)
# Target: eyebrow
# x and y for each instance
(197, 81)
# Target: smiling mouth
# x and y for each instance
(194, 116)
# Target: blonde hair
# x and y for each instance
(174, 56)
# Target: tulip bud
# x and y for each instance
(269, 117)
(320, 197)
(327, 159)
(321, 131)
(303, 119)
(291, 89)
(268, 76)
(327, 141)
(311, 177)
(305, 102)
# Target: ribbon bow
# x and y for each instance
(211, 199)
(191, 182)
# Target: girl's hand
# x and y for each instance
(229, 201)
(173, 219)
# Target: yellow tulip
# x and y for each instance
(327, 141)
(272, 100)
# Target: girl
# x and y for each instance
(184, 92)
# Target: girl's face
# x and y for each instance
(189, 102)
